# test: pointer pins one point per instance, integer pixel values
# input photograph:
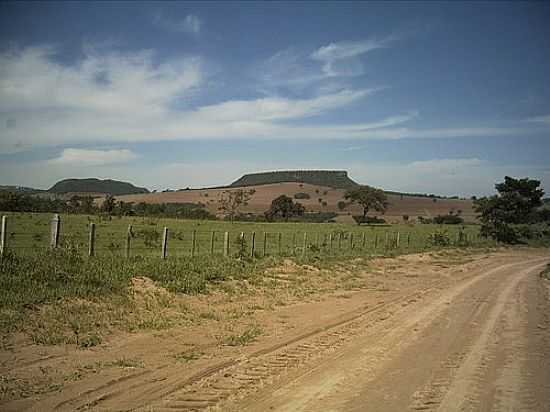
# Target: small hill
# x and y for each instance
(337, 179)
(92, 185)
(20, 189)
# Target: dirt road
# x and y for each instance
(424, 332)
(481, 345)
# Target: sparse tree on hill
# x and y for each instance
(231, 202)
(369, 198)
(284, 207)
(88, 206)
(109, 204)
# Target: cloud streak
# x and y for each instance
(89, 157)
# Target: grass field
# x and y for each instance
(29, 232)
(63, 296)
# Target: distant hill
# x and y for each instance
(20, 189)
(337, 179)
(92, 185)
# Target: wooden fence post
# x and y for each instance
(294, 244)
(340, 241)
(397, 241)
(91, 240)
(375, 241)
(55, 225)
(226, 244)
(386, 240)
(253, 244)
(241, 253)
(363, 240)
(4, 236)
(304, 248)
(164, 251)
(265, 244)
(193, 240)
(330, 242)
(128, 241)
(351, 241)
(408, 241)
(279, 242)
(212, 240)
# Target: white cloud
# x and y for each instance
(129, 97)
(189, 24)
(89, 157)
(107, 84)
(343, 50)
(540, 119)
(339, 58)
(276, 108)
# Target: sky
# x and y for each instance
(443, 98)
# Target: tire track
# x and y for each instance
(257, 371)
(463, 388)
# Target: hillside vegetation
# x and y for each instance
(337, 179)
(92, 185)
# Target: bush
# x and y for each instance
(448, 220)
(359, 219)
(439, 238)
(301, 195)
(341, 205)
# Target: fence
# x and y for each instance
(142, 240)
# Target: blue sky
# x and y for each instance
(429, 97)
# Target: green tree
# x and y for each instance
(515, 203)
(87, 205)
(369, 198)
(284, 207)
(231, 202)
(109, 204)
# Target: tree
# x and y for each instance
(341, 204)
(231, 202)
(88, 206)
(515, 203)
(284, 207)
(368, 198)
(109, 204)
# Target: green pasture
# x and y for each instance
(30, 232)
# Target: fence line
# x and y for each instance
(195, 243)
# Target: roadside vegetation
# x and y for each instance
(515, 215)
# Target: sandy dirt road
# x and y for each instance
(481, 345)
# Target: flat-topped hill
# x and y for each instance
(92, 185)
(337, 179)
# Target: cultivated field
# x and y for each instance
(264, 194)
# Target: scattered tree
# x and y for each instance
(369, 198)
(231, 202)
(284, 207)
(341, 205)
(109, 204)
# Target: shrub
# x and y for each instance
(341, 205)
(360, 219)
(449, 219)
(439, 238)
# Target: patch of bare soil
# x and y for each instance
(235, 346)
